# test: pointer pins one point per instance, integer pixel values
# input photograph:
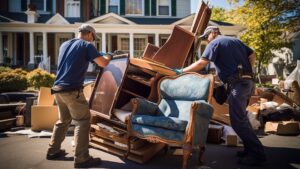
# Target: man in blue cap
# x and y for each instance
(233, 61)
(74, 58)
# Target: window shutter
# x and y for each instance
(102, 7)
(122, 7)
(23, 5)
(153, 7)
(147, 7)
(173, 7)
(49, 6)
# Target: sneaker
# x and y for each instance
(251, 160)
(92, 162)
(241, 153)
(53, 156)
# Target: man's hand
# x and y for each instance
(178, 71)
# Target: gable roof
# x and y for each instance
(57, 19)
(111, 18)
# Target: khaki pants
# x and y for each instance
(72, 106)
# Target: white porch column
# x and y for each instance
(45, 45)
(31, 48)
(156, 40)
(103, 42)
(131, 45)
(76, 34)
(1, 49)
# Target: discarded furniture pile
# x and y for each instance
(125, 80)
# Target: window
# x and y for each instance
(123, 43)
(163, 39)
(113, 6)
(134, 7)
(5, 45)
(39, 44)
(43, 6)
(72, 8)
(139, 46)
(164, 7)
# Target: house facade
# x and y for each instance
(35, 29)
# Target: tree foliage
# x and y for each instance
(267, 24)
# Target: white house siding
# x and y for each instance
(183, 8)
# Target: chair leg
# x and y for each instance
(186, 156)
(128, 147)
(166, 148)
(201, 152)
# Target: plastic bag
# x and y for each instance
(294, 76)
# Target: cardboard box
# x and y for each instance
(215, 132)
(283, 127)
(43, 117)
(231, 140)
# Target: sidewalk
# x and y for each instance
(21, 152)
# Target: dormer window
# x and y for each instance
(164, 7)
(134, 7)
(113, 6)
(42, 6)
(72, 8)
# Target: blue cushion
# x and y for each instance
(169, 123)
(188, 87)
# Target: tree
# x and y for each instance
(218, 14)
(267, 23)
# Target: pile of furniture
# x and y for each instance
(128, 78)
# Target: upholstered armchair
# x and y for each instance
(181, 116)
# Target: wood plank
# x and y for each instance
(135, 142)
(145, 152)
(142, 63)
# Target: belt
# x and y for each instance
(59, 89)
(246, 77)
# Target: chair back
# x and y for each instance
(175, 51)
(177, 93)
(188, 87)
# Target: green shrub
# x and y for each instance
(4, 69)
(38, 78)
(12, 80)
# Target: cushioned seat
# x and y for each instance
(169, 123)
(181, 116)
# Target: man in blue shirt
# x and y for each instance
(73, 61)
(233, 61)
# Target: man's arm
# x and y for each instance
(102, 61)
(197, 66)
(252, 59)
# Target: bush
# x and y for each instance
(12, 79)
(38, 78)
(4, 69)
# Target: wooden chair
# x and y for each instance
(180, 117)
(181, 45)
(174, 52)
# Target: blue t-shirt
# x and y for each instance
(73, 61)
(227, 53)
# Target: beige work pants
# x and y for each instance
(72, 106)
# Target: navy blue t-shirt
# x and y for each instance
(227, 53)
(73, 61)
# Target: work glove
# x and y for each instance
(117, 54)
(178, 71)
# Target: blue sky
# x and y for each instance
(215, 3)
